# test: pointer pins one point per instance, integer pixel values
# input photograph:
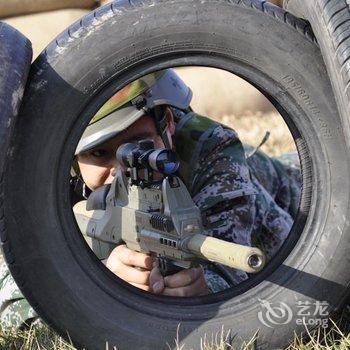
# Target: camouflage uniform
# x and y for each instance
(15, 311)
(242, 199)
(245, 200)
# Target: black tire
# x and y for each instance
(330, 20)
(70, 80)
(15, 60)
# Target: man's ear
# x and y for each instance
(170, 120)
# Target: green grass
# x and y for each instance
(336, 337)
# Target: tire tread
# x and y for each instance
(76, 32)
(336, 17)
(21, 51)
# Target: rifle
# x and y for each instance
(157, 216)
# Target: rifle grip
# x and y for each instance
(166, 267)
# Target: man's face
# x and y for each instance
(98, 166)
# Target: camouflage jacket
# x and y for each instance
(250, 200)
(242, 199)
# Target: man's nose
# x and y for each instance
(115, 167)
(113, 171)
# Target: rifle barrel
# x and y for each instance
(248, 259)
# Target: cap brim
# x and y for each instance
(108, 127)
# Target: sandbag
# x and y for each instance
(277, 2)
(20, 7)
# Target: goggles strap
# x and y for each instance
(162, 125)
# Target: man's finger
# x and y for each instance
(183, 278)
(142, 286)
(156, 281)
(132, 258)
(131, 274)
(198, 287)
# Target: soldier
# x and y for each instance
(243, 199)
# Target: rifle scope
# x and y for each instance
(143, 155)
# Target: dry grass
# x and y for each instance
(252, 128)
(336, 337)
(36, 338)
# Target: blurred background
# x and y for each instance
(217, 93)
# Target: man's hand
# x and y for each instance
(140, 270)
(186, 283)
(132, 267)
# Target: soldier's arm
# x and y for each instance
(224, 192)
(238, 206)
(275, 222)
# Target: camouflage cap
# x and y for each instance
(132, 102)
